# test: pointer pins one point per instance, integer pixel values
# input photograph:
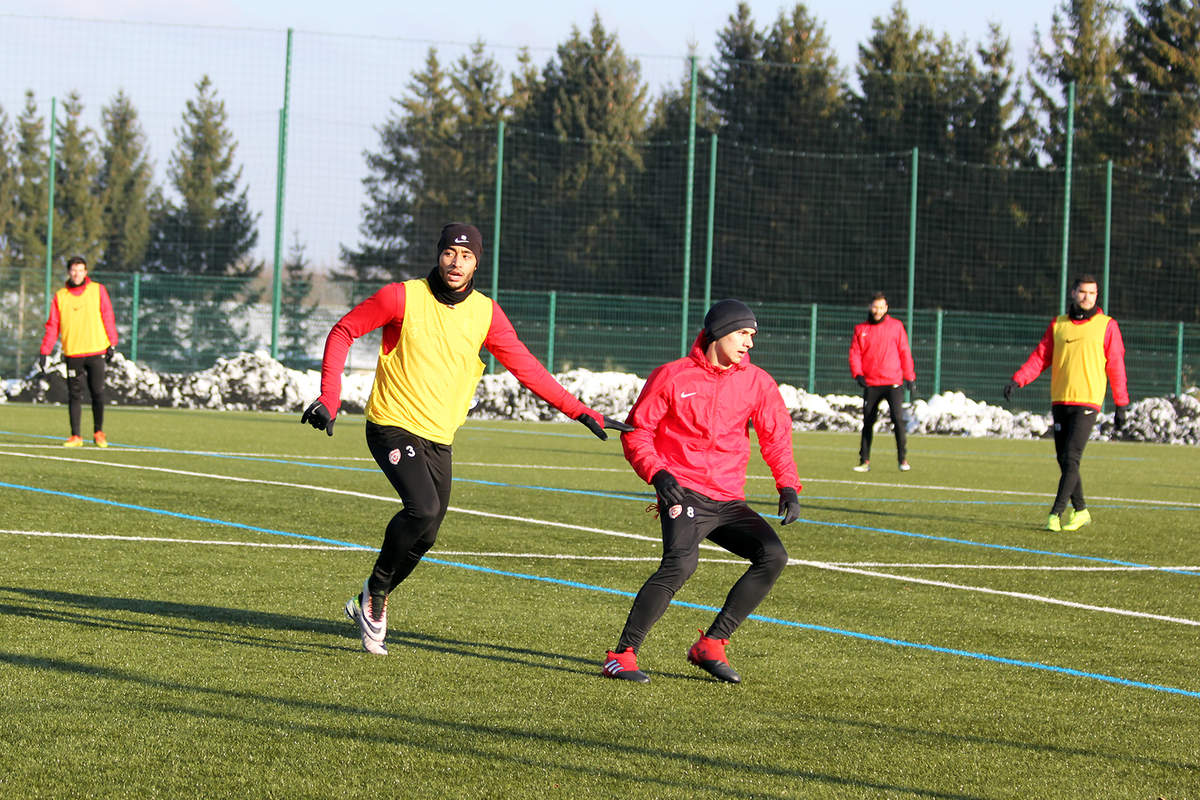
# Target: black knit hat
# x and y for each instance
(460, 234)
(727, 316)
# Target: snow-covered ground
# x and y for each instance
(255, 381)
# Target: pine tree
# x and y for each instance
(209, 230)
(78, 214)
(8, 189)
(26, 243)
(1159, 83)
(578, 155)
(907, 95)
(125, 187)
(296, 316)
(436, 164)
(1082, 49)
(207, 234)
(735, 88)
(802, 102)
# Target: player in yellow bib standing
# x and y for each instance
(1084, 351)
(82, 315)
(433, 329)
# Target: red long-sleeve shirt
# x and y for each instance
(73, 313)
(1084, 356)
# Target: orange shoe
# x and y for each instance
(100, 439)
(74, 441)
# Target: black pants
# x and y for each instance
(420, 472)
(1072, 427)
(872, 395)
(94, 368)
(730, 524)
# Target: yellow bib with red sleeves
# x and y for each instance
(1078, 367)
(79, 322)
(427, 382)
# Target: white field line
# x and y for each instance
(984, 590)
(815, 564)
(1000, 567)
(550, 467)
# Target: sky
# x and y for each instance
(663, 27)
(343, 83)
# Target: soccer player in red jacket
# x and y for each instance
(433, 329)
(690, 439)
(881, 362)
(82, 315)
(1084, 351)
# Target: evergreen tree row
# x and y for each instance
(813, 172)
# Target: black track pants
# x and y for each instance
(733, 526)
(872, 396)
(94, 369)
(1072, 427)
(420, 471)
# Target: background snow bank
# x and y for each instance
(255, 381)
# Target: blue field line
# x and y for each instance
(623, 593)
(1014, 662)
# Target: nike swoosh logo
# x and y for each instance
(686, 394)
(1068, 341)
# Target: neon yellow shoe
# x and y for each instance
(1053, 523)
(74, 441)
(100, 439)
(1077, 520)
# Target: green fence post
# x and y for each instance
(912, 252)
(1107, 232)
(50, 210)
(137, 304)
(280, 187)
(1066, 229)
(496, 227)
(937, 356)
(1179, 360)
(812, 350)
(553, 320)
(712, 207)
(690, 182)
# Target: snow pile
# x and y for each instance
(255, 381)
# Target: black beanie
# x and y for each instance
(460, 234)
(727, 316)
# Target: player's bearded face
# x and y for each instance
(457, 265)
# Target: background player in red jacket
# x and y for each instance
(1084, 351)
(82, 315)
(881, 362)
(690, 439)
(433, 329)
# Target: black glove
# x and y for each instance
(910, 385)
(1009, 388)
(617, 425)
(861, 381)
(318, 416)
(108, 354)
(668, 488)
(43, 361)
(789, 505)
(1119, 418)
(592, 426)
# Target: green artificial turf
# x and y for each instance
(165, 645)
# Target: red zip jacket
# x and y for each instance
(692, 417)
(385, 309)
(880, 353)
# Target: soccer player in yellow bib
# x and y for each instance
(82, 315)
(433, 329)
(1084, 351)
